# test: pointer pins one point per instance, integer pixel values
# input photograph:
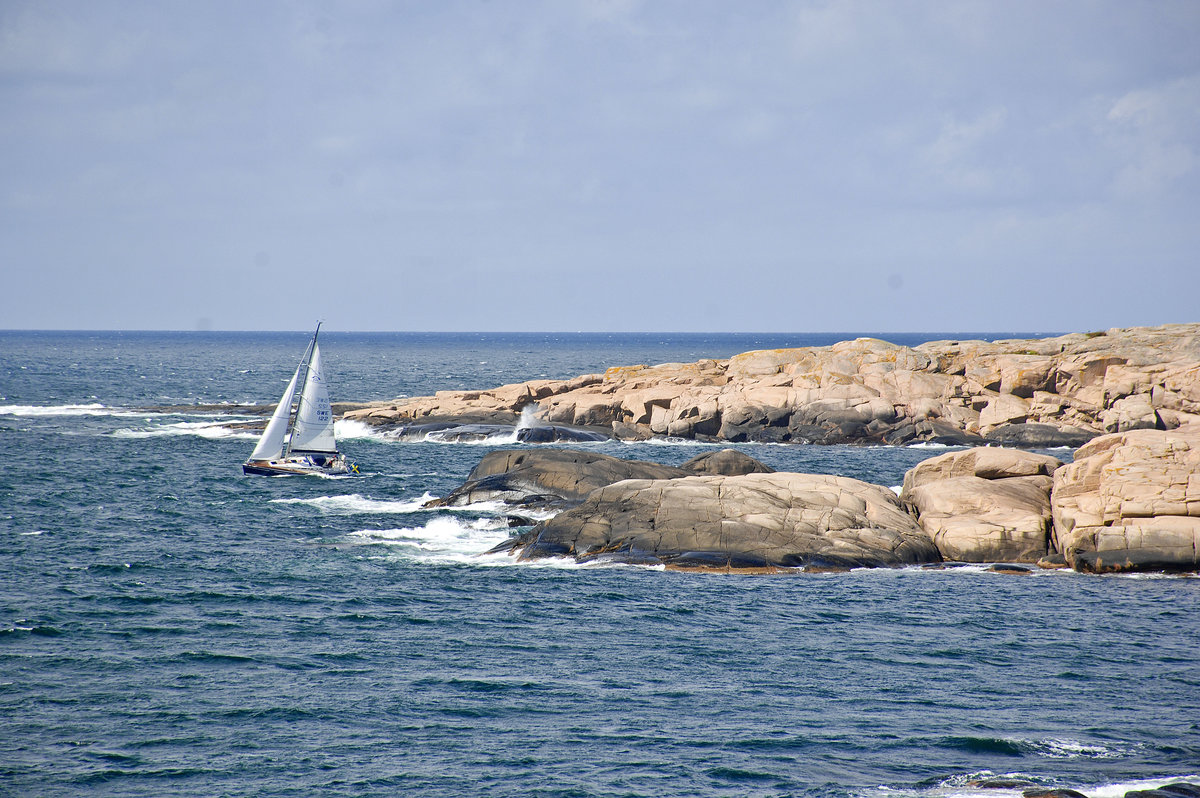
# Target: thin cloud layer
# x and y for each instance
(839, 166)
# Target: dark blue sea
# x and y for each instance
(170, 627)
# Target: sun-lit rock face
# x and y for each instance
(1131, 501)
(984, 504)
(753, 520)
(1059, 391)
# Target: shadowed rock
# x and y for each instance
(559, 478)
(729, 462)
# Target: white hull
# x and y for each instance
(284, 466)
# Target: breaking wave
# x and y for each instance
(94, 409)
(199, 429)
(357, 504)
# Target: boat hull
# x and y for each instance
(297, 466)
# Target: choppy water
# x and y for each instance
(171, 627)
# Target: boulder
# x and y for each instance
(729, 462)
(551, 478)
(984, 504)
(1040, 436)
(560, 478)
(1130, 501)
(750, 521)
(558, 433)
(983, 462)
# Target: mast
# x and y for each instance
(302, 382)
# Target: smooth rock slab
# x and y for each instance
(748, 521)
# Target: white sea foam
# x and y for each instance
(200, 429)
(529, 418)
(349, 429)
(656, 441)
(446, 539)
(1119, 789)
(960, 786)
(453, 540)
(1058, 748)
(357, 504)
(94, 409)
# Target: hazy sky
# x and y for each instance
(588, 165)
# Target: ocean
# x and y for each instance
(170, 627)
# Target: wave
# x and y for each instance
(201, 429)
(349, 429)
(670, 441)
(357, 504)
(94, 409)
(987, 784)
(1119, 789)
(452, 540)
(1049, 748)
(445, 539)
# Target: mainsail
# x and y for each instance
(313, 429)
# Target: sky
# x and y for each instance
(600, 165)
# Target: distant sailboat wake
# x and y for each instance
(299, 438)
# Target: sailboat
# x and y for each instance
(299, 437)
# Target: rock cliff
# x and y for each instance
(1060, 391)
(1131, 502)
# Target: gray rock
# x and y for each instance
(1039, 436)
(729, 462)
(550, 478)
(560, 478)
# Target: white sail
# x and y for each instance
(270, 445)
(313, 430)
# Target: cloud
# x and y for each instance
(687, 149)
(1153, 135)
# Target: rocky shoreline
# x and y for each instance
(1129, 399)
(1129, 502)
(1031, 393)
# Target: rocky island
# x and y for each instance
(1128, 501)
(1042, 392)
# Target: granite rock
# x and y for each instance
(984, 504)
(750, 521)
(1130, 501)
(1058, 391)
